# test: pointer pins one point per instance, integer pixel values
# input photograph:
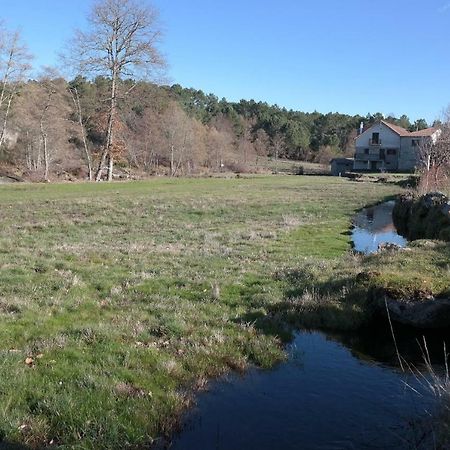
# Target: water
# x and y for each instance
(324, 397)
(374, 226)
(335, 391)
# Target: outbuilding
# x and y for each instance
(340, 166)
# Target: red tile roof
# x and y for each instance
(405, 133)
(425, 132)
(399, 130)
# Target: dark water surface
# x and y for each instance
(335, 391)
(323, 397)
(374, 226)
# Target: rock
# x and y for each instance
(424, 243)
(445, 209)
(434, 199)
(389, 247)
(6, 177)
(426, 217)
(422, 313)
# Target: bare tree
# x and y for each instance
(178, 135)
(14, 66)
(261, 143)
(434, 154)
(41, 115)
(278, 146)
(121, 42)
(79, 114)
(246, 149)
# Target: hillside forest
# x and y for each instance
(57, 128)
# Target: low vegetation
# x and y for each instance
(118, 300)
(346, 293)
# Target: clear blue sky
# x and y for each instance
(349, 56)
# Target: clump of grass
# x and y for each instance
(434, 431)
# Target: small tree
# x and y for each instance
(73, 89)
(434, 154)
(121, 42)
(41, 115)
(14, 66)
(278, 147)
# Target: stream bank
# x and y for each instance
(424, 217)
(338, 389)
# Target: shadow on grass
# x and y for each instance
(340, 302)
(6, 445)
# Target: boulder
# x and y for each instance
(433, 199)
(426, 217)
(422, 313)
(389, 247)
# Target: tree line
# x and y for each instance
(117, 117)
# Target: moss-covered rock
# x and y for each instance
(425, 217)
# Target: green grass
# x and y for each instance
(130, 296)
(346, 293)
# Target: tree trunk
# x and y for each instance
(38, 162)
(110, 167)
(5, 79)
(109, 132)
(46, 156)
(76, 100)
(5, 120)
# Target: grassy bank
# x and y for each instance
(345, 293)
(123, 297)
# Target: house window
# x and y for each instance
(391, 151)
(366, 151)
(415, 143)
(375, 138)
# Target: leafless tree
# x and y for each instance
(434, 154)
(178, 135)
(41, 115)
(261, 143)
(14, 66)
(121, 42)
(278, 146)
(245, 145)
(79, 114)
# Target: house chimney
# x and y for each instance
(361, 128)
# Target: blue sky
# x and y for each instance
(326, 55)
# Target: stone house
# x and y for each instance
(390, 148)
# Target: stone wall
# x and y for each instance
(425, 217)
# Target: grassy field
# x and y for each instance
(119, 300)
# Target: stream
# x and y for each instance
(325, 396)
(335, 391)
(374, 227)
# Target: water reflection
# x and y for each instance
(374, 226)
(323, 397)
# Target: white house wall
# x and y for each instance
(388, 138)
